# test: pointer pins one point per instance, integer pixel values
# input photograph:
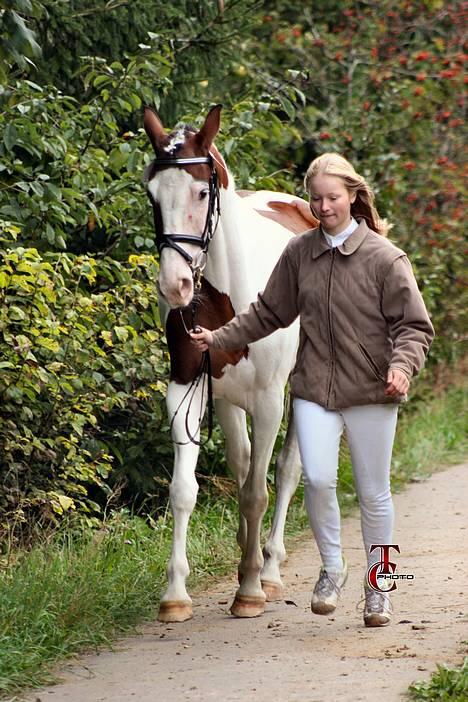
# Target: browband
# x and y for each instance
(183, 161)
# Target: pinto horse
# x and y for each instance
(217, 249)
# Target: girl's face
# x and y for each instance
(330, 202)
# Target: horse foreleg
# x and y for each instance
(234, 425)
(176, 604)
(253, 500)
(287, 475)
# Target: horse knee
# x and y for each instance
(253, 504)
(183, 494)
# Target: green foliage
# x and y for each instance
(447, 684)
(70, 176)
(18, 46)
(83, 370)
(202, 36)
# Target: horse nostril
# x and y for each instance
(185, 287)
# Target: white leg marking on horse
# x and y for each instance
(176, 603)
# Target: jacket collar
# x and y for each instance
(348, 247)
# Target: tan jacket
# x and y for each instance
(360, 311)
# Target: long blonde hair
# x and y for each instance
(363, 206)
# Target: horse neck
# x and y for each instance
(228, 268)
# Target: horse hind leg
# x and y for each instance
(176, 604)
(287, 475)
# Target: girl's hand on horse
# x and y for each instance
(397, 383)
(201, 338)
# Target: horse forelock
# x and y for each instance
(177, 140)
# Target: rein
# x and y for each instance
(203, 240)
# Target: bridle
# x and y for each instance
(165, 239)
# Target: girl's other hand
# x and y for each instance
(397, 383)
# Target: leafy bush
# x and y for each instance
(70, 176)
(83, 372)
(19, 45)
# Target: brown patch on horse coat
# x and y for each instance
(293, 213)
(213, 309)
(220, 166)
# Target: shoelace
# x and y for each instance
(375, 602)
(325, 582)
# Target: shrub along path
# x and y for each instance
(289, 654)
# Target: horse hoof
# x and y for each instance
(246, 606)
(274, 591)
(175, 611)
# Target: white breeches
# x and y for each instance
(370, 431)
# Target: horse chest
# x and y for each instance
(212, 309)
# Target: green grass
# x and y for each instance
(447, 684)
(80, 589)
(430, 434)
(73, 594)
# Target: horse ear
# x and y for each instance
(205, 138)
(208, 132)
(153, 127)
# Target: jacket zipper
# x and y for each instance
(330, 329)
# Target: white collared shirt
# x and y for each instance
(338, 239)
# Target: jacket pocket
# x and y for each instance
(371, 363)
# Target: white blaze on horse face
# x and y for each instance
(184, 204)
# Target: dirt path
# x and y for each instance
(291, 655)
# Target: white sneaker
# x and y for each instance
(327, 590)
(377, 608)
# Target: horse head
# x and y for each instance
(183, 185)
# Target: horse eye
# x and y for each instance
(202, 194)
